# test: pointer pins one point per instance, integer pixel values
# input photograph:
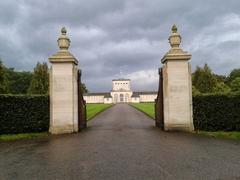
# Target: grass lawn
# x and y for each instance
(94, 109)
(221, 134)
(12, 137)
(147, 108)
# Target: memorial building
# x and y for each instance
(121, 93)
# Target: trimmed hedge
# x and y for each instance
(216, 112)
(27, 114)
(24, 114)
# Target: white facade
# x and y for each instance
(121, 93)
(121, 85)
(135, 99)
(94, 98)
(147, 97)
(108, 100)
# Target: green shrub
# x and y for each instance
(216, 112)
(23, 114)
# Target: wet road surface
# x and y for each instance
(121, 143)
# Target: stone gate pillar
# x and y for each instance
(177, 86)
(63, 89)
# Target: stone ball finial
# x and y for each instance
(174, 28)
(64, 31)
(175, 38)
(63, 40)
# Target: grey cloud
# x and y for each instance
(129, 35)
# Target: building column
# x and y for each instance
(63, 89)
(177, 86)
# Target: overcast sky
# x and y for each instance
(113, 36)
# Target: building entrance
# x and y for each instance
(121, 98)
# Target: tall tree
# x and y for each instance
(17, 82)
(233, 75)
(3, 88)
(204, 80)
(235, 85)
(220, 78)
(40, 80)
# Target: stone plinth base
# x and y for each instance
(62, 129)
(178, 127)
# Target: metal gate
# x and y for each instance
(159, 116)
(82, 113)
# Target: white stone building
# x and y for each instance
(121, 93)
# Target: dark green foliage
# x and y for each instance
(204, 80)
(84, 88)
(235, 85)
(17, 82)
(221, 88)
(195, 91)
(220, 78)
(216, 112)
(40, 80)
(233, 75)
(23, 114)
(3, 88)
(14, 82)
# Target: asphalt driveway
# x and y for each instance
(121, 143)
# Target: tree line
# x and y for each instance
(25, 82)
(204, 81)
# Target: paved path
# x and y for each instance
(121, 143)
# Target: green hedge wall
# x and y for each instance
(23, 114)
(216, 112)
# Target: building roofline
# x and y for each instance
(134, 93)
(96, 94)
(145, 92)
(121, 79)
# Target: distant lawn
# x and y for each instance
(12, 137)
(147, 108)
(221, 134)
(94, 109)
